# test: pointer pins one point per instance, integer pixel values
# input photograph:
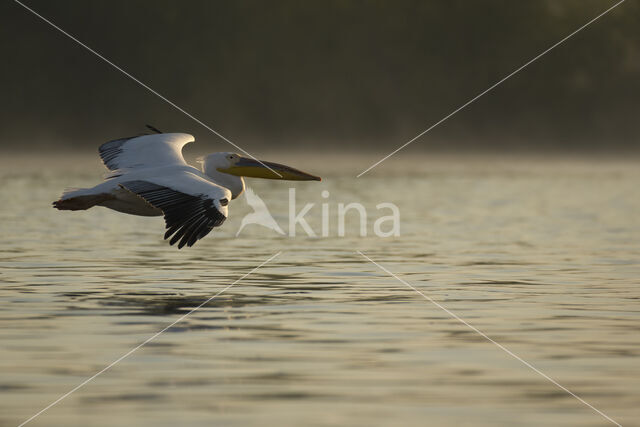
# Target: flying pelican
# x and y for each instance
(149, 177)
(260, 214)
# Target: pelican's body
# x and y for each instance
(149, 177)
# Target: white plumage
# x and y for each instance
(149, 177)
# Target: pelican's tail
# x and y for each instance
(77, 199)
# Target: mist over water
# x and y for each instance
(540, 255)
(353, 74)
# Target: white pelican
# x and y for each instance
(149, 177)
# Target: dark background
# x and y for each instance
(347, 74)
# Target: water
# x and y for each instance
(543, 256)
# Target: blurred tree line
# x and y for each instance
(348, 73)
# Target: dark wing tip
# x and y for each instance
(188, 218)
(153, 128)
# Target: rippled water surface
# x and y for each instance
(542, 256)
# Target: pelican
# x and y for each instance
(149, 177)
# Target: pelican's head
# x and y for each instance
(237, 165)
(220, 165)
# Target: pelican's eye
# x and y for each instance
(224, 202)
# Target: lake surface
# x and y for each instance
(541, 255)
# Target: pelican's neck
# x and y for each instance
(233, 183)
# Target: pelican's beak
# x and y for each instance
(258, 169)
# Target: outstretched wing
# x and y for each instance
(189, 215)
(145, 151)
